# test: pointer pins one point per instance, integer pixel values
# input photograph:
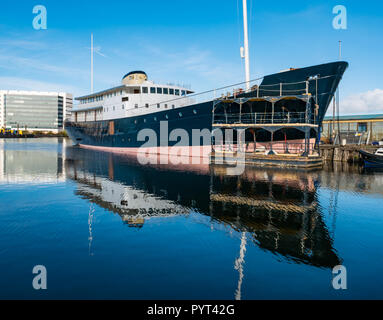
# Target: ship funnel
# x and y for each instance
(134, 77)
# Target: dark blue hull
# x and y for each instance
(126, 130)
(371, 160)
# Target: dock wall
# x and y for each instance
(348, 153)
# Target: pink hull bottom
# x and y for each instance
(199, 155)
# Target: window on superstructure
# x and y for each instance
(159, 90)
(166, 106)
(147, 105)
(158, 106)
(136, 91)
(152, 90)
(114, 108)
(124, 99)
(144, 90)
(173, 106)
(171, 91)
(136, 106)
(166, 91)
(177, 92)
(123, 107)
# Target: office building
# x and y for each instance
(34, 111)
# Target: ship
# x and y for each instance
(111, 120)
(141, 116)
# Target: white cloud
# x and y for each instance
(30, 64)
(14, 83)
(369, 102)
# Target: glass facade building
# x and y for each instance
(35, 111)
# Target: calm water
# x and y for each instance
(105, 227)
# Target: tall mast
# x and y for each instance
(338, 93)
(91, 64)
(246, 44)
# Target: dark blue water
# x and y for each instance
(107, 228)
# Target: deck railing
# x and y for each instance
(265, 118)
(279, 147)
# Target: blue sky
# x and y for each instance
(190, 42)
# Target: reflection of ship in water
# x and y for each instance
(131, 203)
(278, 211)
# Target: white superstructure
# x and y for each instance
(136, 96)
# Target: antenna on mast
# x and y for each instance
(91, 64)
(245, 49)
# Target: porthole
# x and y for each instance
(180, 114)
(167, 117)
(195, 111)
(155, 118)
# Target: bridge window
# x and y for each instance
(144, 90)
(183, 93)
(159, 90)
(166, 91)
(177, 92)
(152, 90)
(171, 91)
